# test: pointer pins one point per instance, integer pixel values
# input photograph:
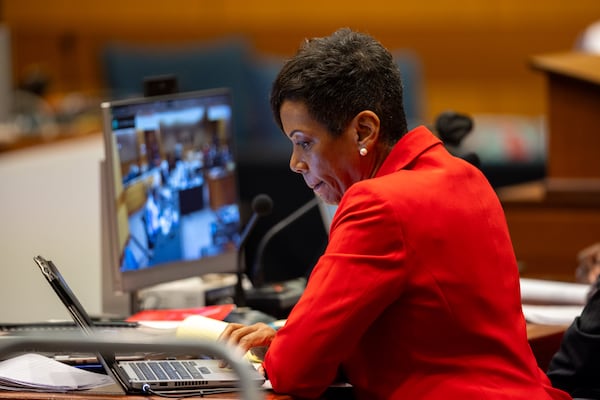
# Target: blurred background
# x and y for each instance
(473, 53)
(470, 56)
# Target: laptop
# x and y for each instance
(147, 376)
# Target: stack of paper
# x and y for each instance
(552, 302)
(540, 291)
(38, 373)
(551, 315)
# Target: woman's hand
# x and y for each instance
(246, 337)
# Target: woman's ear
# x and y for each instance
(367, 127)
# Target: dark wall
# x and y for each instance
(295, 249)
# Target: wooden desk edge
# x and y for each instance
(115, 394)
(539, 331)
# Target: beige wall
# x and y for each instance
(474, 52)
(51, 207)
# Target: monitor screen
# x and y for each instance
(170, 187)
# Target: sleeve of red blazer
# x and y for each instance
(359, 275)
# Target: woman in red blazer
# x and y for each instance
(417, 294)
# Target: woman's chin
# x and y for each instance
(325, 195)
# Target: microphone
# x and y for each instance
(452, 127)
(262, 205)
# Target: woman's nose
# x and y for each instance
(297, 165)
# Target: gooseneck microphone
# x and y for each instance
(262, 205)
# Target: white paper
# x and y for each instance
(552, 314)
(34, 371)
(198, 326)
(553, 292)
(160, 326)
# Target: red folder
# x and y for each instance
(218, 312)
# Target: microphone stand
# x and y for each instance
(239, 297)
(261, 206)
(257, 271)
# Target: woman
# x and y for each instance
(417, 294)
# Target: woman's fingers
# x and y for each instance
(246, 337)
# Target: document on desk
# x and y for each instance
(553, 292)
(551, 314)
(36, 372)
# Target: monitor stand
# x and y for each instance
(113, 303)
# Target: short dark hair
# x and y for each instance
(340, 75)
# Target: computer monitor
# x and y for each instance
(170, 188)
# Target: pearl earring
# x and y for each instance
(363, 151)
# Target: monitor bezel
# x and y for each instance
(133, 281)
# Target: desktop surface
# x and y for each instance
(544, 339)
(113, 393)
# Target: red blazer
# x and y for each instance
(417, 294)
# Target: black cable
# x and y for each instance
(193, 393)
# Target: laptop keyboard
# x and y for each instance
(168, 370)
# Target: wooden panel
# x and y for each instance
(547, 238)
(581, 66)
(573, 121)
(573, 81)
(564, 217)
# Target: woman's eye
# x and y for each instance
(304, 144)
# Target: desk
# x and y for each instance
(115, 393)
(544, 341)
(106, 395)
